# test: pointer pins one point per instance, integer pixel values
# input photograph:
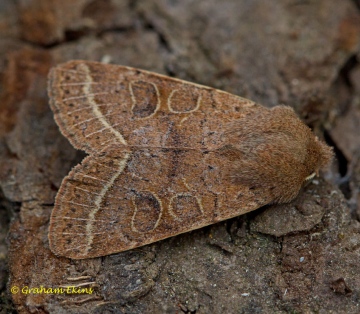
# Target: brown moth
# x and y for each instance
(166, 156)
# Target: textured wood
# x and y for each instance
(166, 157)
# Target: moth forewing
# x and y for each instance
(159, 157)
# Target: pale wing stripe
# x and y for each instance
(96, 111)
(109, 127)
(93, 193)
(86, 191)
(96, 118)
(108, 141)
(89, 226)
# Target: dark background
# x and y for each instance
(296, 258)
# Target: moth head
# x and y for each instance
(319, 155)
(274, 152)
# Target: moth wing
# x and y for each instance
(118, 200)
(96, 105)
(155, 167)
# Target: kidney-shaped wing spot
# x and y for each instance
(148, 210)
(184, 206)
(183, 101)
(145, 98)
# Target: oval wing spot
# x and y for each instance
(183, 101)
(147, 213)
(145, 99)
(185, 206)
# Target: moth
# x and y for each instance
(166, 156)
